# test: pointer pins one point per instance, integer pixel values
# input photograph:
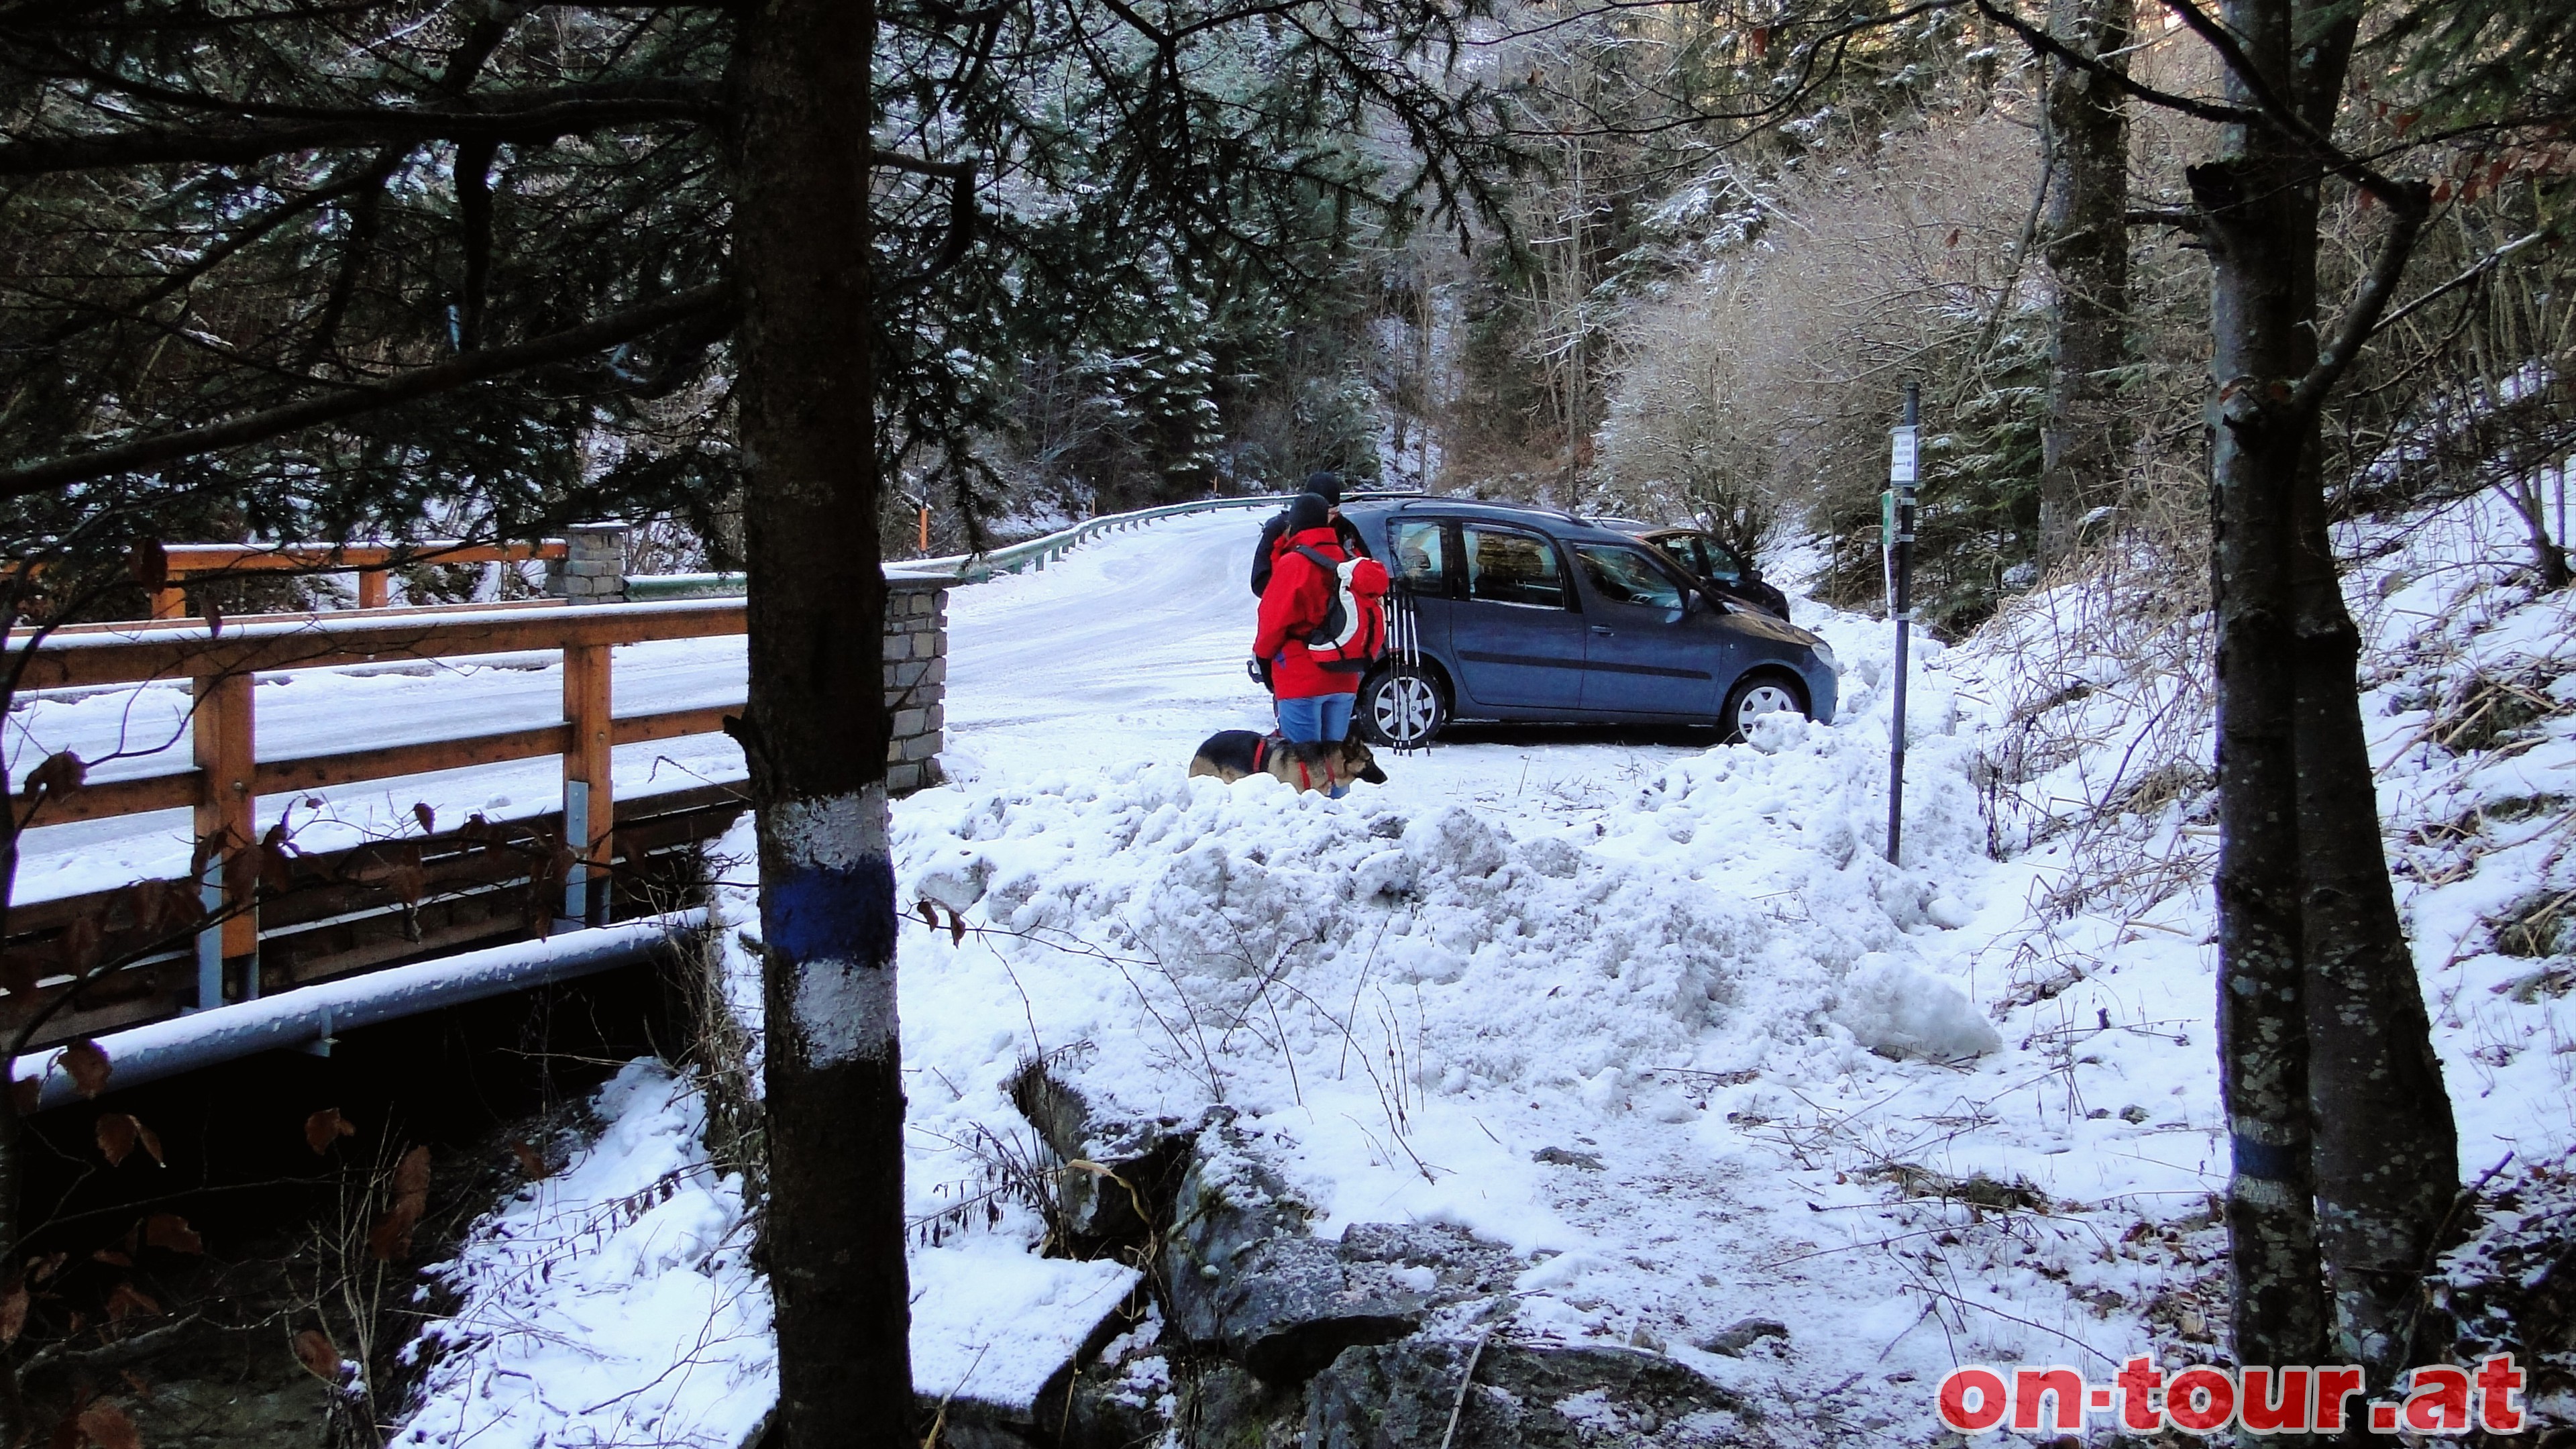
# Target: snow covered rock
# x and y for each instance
(1246, 1276)
(1138, 1158)
(997, 1333)
(1529, 1395)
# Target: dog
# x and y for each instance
(1229, 755)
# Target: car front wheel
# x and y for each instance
(1755, 695)
(1402, 709)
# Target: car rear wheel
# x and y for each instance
(1401, 709)
(1765, 691)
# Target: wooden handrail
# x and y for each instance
(143, 654)
(181, 559)
(146, 626)
(227, 779)
(163, 567)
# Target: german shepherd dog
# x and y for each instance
(1229, 755)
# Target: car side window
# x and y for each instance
(1626, 576)
(1509, 567)
(1721, 563)
(1421, 560)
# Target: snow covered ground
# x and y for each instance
(1656, 1013)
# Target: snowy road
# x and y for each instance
(1130, 649)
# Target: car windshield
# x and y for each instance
(1626, 576)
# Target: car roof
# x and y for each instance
(1555, 522)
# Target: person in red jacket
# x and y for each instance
(1314, 702)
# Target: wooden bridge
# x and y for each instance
(258, 915)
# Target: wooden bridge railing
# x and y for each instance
(165, 568)
(227, 778)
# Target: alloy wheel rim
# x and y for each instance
(1405, 708)
(1762, 699)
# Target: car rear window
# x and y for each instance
(1626, 576)
(1508, 567)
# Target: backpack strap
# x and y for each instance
(1316, 557)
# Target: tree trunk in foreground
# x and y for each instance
(2259, 214)
(2087, 246)
(2279, 1297)
(2388, 1153)
(814, 730)
(2382, 1153)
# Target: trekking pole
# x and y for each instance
(1900, 477)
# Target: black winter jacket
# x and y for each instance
(1265, 554)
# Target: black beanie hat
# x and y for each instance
(1308, 510)
(1326, 484)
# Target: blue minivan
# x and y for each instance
(1526, 614)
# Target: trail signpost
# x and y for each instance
(1897, 532)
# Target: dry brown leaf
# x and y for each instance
(407, 881)
(314, 1350)
(532, 1165)
(411, 1176)
(326, 1127)
(390, 1239)
(135, 1381)
(112, 1258)
(109, 1427)
(61, 773)
(956, 928)
(128, 1301)
(171, 1233)
(13, 1310)
(276, 860)
(117, 1133)
(427, 817)
(87, 1065)
(929, 914)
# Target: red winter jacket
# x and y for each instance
(1294, 606)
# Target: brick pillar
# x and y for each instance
(916, 682)
(593, 570)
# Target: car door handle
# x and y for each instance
(1602, 629)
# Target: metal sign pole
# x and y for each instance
(1900, 477)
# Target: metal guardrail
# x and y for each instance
(974, 568)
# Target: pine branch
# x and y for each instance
(166, 448)
(544, 118)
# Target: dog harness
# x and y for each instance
(1261, 761)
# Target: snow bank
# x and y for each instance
(611, 1303)
(1204, 937)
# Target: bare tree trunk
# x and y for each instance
(2087, 246)
(2259, 213)
(2387, 1151)
(814, 730)
(2382, 1158)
